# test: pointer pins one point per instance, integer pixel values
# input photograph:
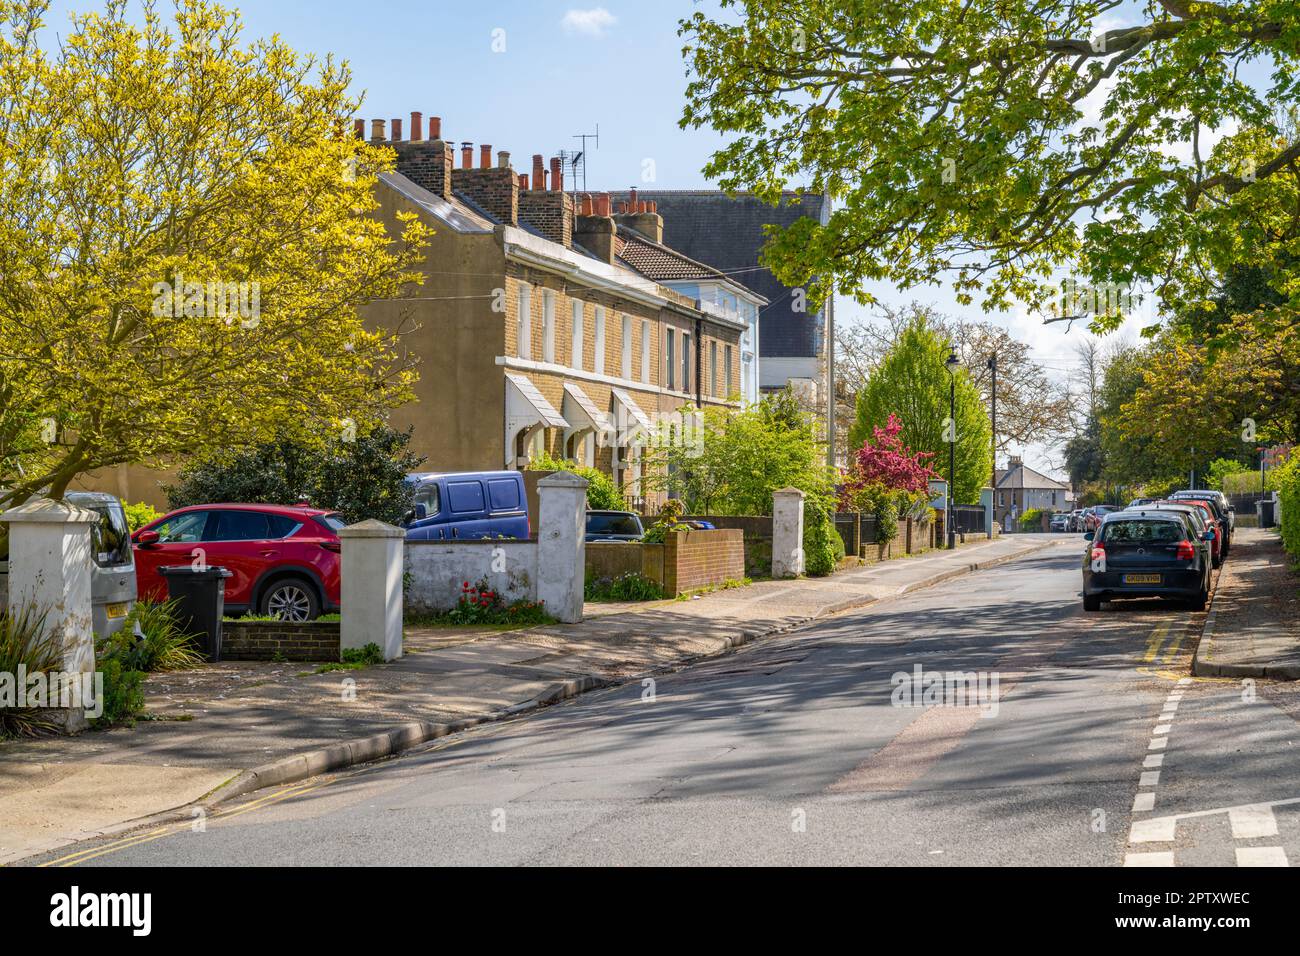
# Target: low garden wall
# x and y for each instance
(436, 571)
(757, 531)
(685, 561)
(280, 641)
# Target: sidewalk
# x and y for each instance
(1253, 628)
(230, 728)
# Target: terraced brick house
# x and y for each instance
(546, 320)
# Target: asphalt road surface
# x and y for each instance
(1092, 748)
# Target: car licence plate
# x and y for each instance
(1141, 579)
(117, 609)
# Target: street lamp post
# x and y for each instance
(952, 365)
(993, 486)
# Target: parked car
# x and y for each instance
(614, 526)
(468, 505)
(1139, 502)
(112, 577)
(1060, 521)
(1151, 554)
(1092, 517)
(1202, 516)
(1219, 501)
(1076, 520)
(284, 560)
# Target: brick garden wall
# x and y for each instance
(280, 640)
(697, 559)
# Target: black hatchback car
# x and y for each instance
(1146, 554)
(614, 526)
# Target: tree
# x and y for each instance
(364, 477)
(996, 140)
(185, 238)
(1031, 408)
(742, 457)
(912, 384)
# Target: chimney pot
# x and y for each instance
(417, 126)
(523, 182)
(485, 156)
(631, 200)
(397, 130)
(466, 155)
(435, 127)
(503, 159)
(359, 128)
(602, 204)
(539, 172)
(557, 174)
(652, 206)
(377, 129)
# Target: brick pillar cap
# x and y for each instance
(789, 491)
(562, 479)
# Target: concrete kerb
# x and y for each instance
(347, 753)
(1203, 666)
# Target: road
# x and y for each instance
(796, 750)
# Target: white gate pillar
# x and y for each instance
(371, 586)
(49, 573)
(787, 533)
(562, 544)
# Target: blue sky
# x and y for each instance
(566, 66)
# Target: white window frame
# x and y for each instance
(713, 369)
(524, 324)
(576, 312)
(598, 360)
(626, 331)
(645, 350)
(548, 325)
(686, 362)
(726, 370)
(670, 360)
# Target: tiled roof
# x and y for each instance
(1022, 476)
(658, 262)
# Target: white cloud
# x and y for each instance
(593, 22)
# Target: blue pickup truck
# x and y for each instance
(467, 505)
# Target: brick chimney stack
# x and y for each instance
(642, 217)
(594, 229)
(427, 163)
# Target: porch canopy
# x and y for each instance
(527, 410)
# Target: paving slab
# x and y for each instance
(1253, 628)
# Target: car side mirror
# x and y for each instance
(146, 538)
(1089, 535)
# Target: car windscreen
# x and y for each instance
(110, 537)
(613, 524)
(1141, 531)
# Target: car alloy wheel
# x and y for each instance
(290, 603)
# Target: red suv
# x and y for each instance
(283, 560)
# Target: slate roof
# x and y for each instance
(727, 233)
(1022, 476)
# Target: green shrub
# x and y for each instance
(366, 656)
(1286, 479)
(602, 493)
(667, 522)
(819, 541)
(23, 642)
(631, 586)
(165, 645)
(1032, 519)
(139, 514)
(123, 697)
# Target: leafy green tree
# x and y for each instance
(361, 478)
(995, 140)
(742, 458)
(912, 383)
(186, 236)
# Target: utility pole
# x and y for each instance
(993, 480)
(830, 376)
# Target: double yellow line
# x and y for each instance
(73, 859)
